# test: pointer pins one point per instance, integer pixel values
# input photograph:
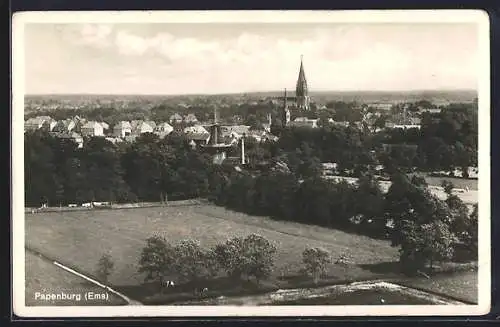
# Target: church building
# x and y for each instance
(302, 103)
(302, 99)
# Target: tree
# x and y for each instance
(447, 186)
(229, 256)
(425, 244)
(473, 229)
(380, 122)
(248, 257)
(259, 256)
(316, 261)
(464, 225)
(406, 202)
(157, 260)
(105, 267)
(253, 122)
(192, 262)
(370, 204)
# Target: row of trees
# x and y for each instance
(409, 207)
(58, 172)
(444, 141)
(251, 258)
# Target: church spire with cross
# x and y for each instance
(301, 90)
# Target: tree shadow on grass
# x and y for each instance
(389, 268)
(150, 293)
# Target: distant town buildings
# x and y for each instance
(383, 106)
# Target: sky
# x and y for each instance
(210, 58)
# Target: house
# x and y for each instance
(262, 136)
(338, 123)
(430, 110)
(64, 126)
(139, 127)
(92, 128)
(105, 127)
(163, 129)
(79, 122)
(175, 119)
(190, 119)
(122, 129)
(39, 122)
(234, 130)
(197, 133)
(304, 122)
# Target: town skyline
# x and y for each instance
(196, 59)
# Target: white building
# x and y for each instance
(304, 122)
(92, 128)
(163, 129)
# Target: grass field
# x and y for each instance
(46, 278)
(462, 286)
(457, 182)
(80, 238)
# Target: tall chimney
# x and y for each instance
(285, 104)
(243, 149)
(215, 115)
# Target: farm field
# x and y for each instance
(46, 278)
(80, 238)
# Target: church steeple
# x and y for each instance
(301, 90)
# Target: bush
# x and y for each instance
(104, 267)
(316, 261)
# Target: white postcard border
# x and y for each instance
(394, 16)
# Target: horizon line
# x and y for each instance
(255, 92)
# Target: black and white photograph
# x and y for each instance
(251, 163)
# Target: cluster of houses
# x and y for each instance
(78, 129)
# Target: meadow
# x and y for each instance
(80, 238)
